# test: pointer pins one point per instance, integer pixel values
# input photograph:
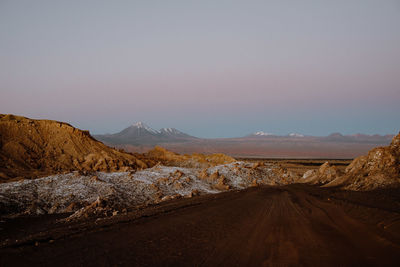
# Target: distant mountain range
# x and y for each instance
(261, 133)
(139, 137)
(332, 137)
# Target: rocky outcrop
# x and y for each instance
(379, 169)
(325, 174)
(34, 148)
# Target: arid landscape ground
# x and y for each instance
(264, 226)
(68, 200)
(200, 133)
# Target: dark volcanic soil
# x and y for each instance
(271, 226)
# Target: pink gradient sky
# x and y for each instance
(209, 68)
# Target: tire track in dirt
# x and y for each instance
(266, 226)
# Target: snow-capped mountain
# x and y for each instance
(296, 135)
(140, 125)
(172, 132)
(140, 133)
(265, 134)
(261, 133)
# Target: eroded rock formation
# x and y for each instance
(34, 148)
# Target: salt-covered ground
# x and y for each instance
(113, 192)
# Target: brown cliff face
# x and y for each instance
(380, 168)
(33, 148)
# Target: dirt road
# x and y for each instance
(273, 226)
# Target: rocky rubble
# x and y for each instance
(325, 174)
(106, 194)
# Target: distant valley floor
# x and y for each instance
(301, 148)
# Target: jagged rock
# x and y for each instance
(178, 186)
(35, 209)
(97, 208)
(309, 174)
(72, 207)
(186, 180)
(325, 174)
(214, 176)
(258, 164)
(254, 183)
(163, 180)
(95, 178)
(171, 197)
(178, 174)
(379, 169)
(194, 192)
(203, 174)
(221, 182)
(287, 177)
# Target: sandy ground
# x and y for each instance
(265, 226)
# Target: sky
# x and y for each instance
(208, 68)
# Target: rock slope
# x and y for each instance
(380, 168)
(34, 148)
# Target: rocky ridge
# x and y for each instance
(34, 148)
(380, 168)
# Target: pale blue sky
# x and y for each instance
(209, 68)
